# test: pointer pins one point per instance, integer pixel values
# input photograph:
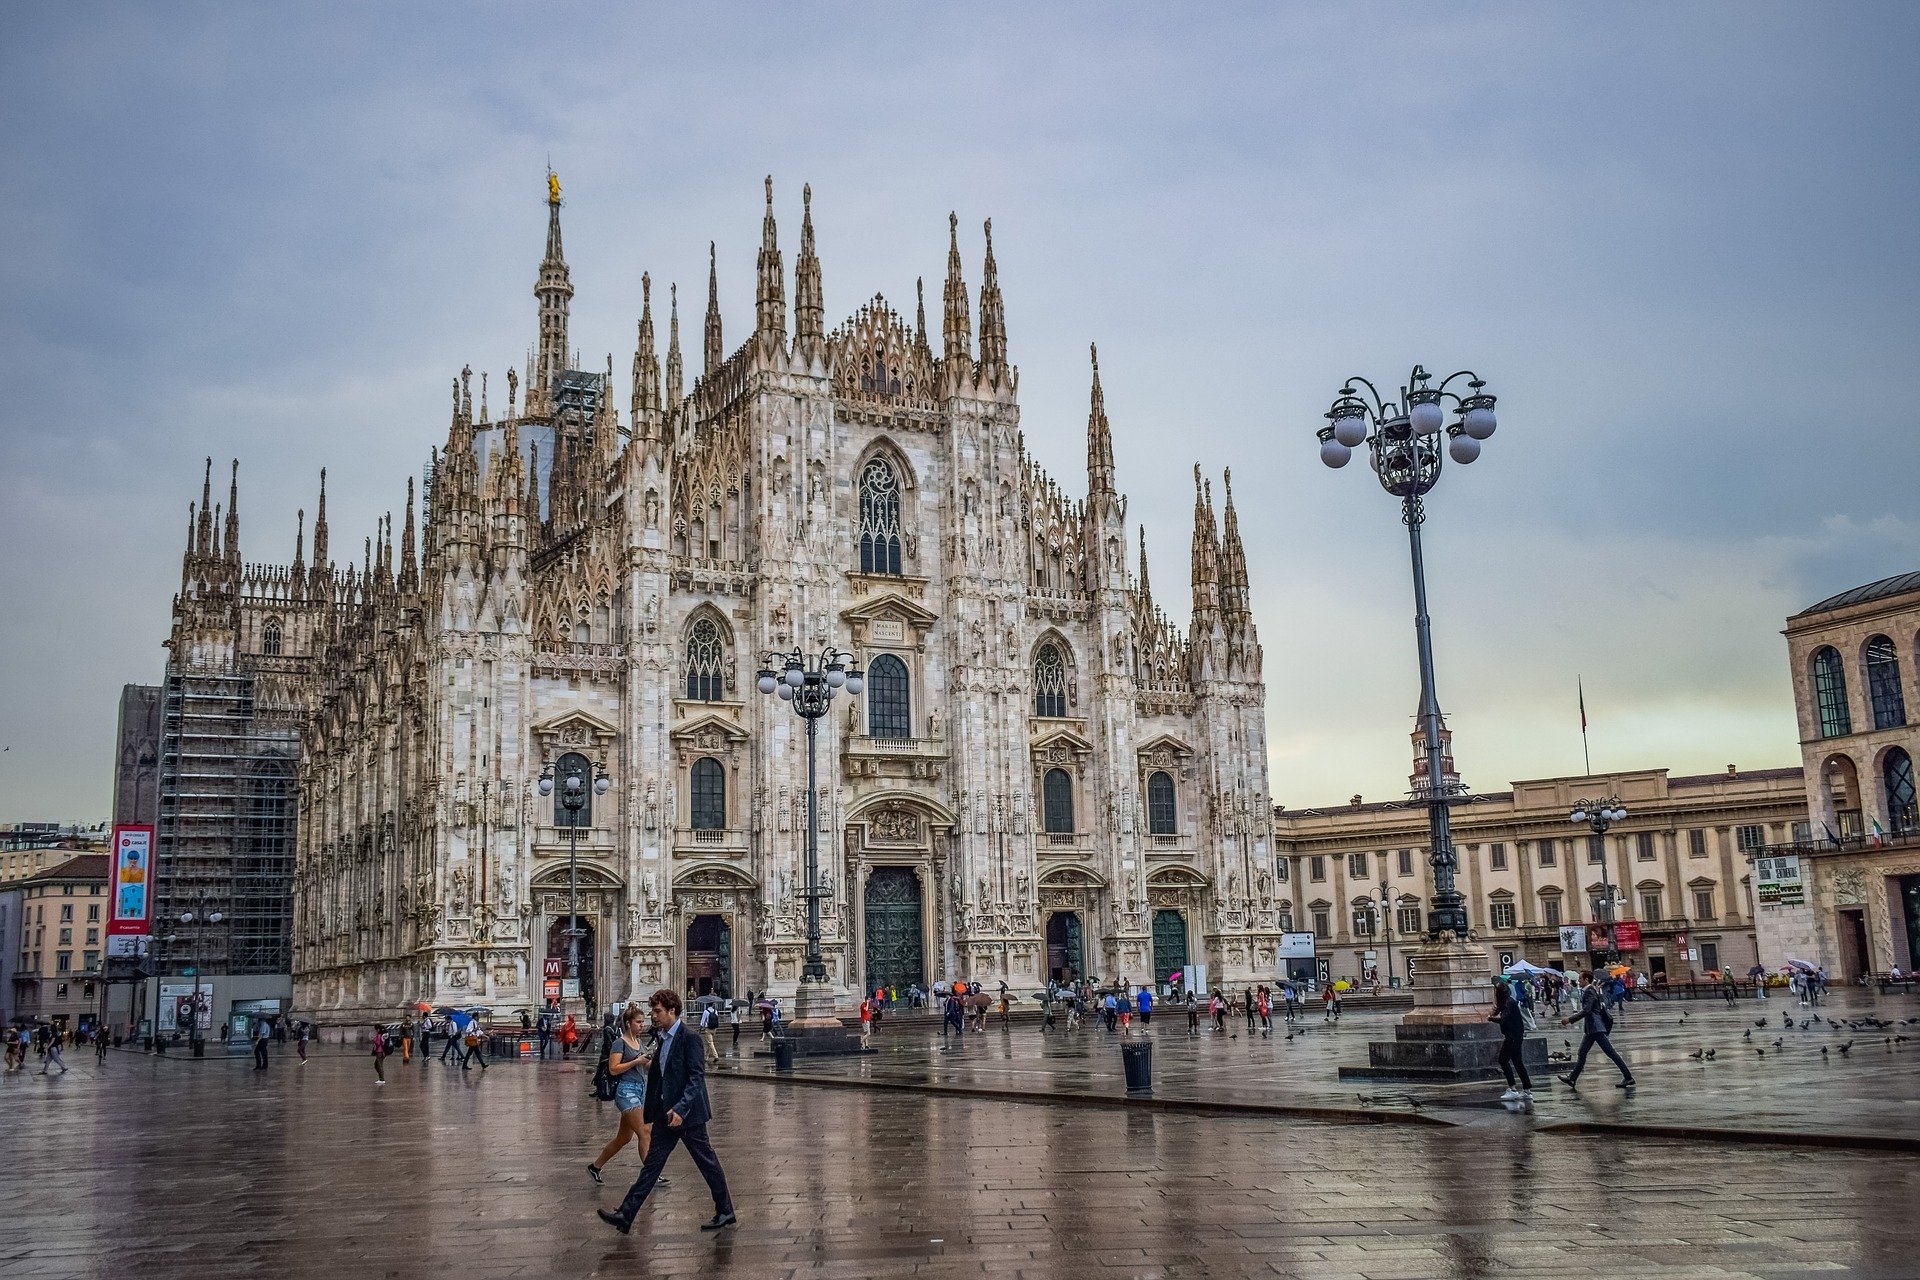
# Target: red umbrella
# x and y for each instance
(421, 1006)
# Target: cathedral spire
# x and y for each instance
(959, 325)
(409, 566)
(300, 545)
(320, 564)
(230, 538)
(920, 313)
(1233, 560)
(203, 534)
(1099, 438)
(993, 317)
(770, 289)
(715, 351)
(554, 290)
(646, 368)
(1206, 558)
(809, 308)
(1146, 587)
(676, 375)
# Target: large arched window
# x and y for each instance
(1830, 693)
(706, 659)
(709, 795)
(1896, 771)
(1883, 684)
(270, 639)
(889, 699)
(1049, 682)
(1160, 803)
(1057, 799)
(879, 518)
(572, 765)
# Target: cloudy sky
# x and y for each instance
(1680, 244)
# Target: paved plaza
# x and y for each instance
(172, 1167)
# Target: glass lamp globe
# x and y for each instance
(1463, 449)
(1478, 421)
(796, 676)
(767, 681)
(215, 918)
(836, 676)
(1426, 417)
(546, 784)
(855, 681)
(1350, 430)
(1579, 815)
(1335, 454)
(601, 783)
(186, 917)
(786, 692)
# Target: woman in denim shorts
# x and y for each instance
(628, 1061)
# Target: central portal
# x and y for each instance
(895, 952)
(709, 956)
(557, 949)
(1066, 951)
(1169, 946)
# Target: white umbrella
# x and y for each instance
(1522, 967)
(1802, 966)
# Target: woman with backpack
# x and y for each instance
(622, 1080)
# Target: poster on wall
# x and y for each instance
(179, 1000)
(1777, 882)
(1573, 939)
(132, 880)
(1626, 935)
(1296, 946)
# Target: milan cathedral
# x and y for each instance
(1044, 776)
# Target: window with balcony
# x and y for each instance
(1057, 801)
(1160, 816)
(1750, 838)
(709, 791)
(572, 765)
(63, 962)
(889, 698)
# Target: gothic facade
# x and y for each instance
(1044, 775)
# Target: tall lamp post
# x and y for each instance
(809, 681)
(1403, 443)
(1598, 815)
(573, 798)
(1386, 919)
(204, 917)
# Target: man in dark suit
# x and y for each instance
(677, 1112)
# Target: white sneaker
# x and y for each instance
(1511, 1095)
(1526, 1095)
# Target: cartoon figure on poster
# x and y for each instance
(130, 902)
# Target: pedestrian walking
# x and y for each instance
(543, 1031)
(569, 1036)
(1247, 1004)
(1728, 987)
(300, 1041)
(1330, 999)
(51, 1058)
(260, 1033)
(1266, 1013)
(1047, 1022)
(678, 1110)
(452, 1048)
(1110, 1010)
(866, 1023)
(379, 1056)
(766, 1021)
(16, 1050)
(627, 1062)
(1597, 1023)
(1512, 1017)
(1146, 1006)
(733, 1019)
(1758, 977)
(709, 1023)
(475, 1042)
(951, 1019)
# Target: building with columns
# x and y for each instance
(1045, 776)
(1845, 894)
(1677, 866)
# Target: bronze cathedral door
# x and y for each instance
(895, 951)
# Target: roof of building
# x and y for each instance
(88, 866)
(1898, 585)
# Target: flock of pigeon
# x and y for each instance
(1820, 1025)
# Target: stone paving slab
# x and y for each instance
(160, 1168)
(1751, 1090)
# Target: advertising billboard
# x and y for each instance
(1296, 946)
(132, 880)
(1573, 939)
(1777, 882)
(1626, 935)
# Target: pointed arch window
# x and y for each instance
(706, 663)
(1056, 797)
(709, 795)
(879, 518)
(1160, 817)
(270, 639)
(1049, 682)
(889, 698)
(1830, 693)
(1883, 684)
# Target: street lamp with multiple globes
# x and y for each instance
(573, 798)
(205, 917)
(1386, 919)
(1598, 815)
(1403, 444)
(809, 681)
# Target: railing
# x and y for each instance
(724, 840)
(1899, 836)
(862, 744)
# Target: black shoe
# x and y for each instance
(615, 1221)
(1628, 1083)
(716, 1222)
(1568, 1081)
(593, 1171)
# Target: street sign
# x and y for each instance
(556, 967)
(569, 988)
(1506, 959)
(1409, 966)
(1325, 968)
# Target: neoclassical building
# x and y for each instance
(1044, 775)
(1846, 893)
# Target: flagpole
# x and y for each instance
(1585, 757)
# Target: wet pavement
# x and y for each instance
(1869, 1094)
(174, 1167)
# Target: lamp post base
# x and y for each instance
(1446, 1038)
(815, 1031)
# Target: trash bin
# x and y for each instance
(783, 1054)
(1136, 1057)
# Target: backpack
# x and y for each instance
(603, 1082)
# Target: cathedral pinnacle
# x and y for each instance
(715, 350)
(1146, 586)
(770, 290)
(993, 316)
(231, 537)
(959, 324)
(1099, 438)
(809, 307)
(1206, 555)
(1233, 567)
(409, 567)
(646, 367)
(203, 534)
(554, 290)
(320, 529)
(675, 372)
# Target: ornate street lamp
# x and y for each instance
(1403, 445)
(205, 917)
(809, 683)
(573, 798)
(1599, 815)
(1386, 917)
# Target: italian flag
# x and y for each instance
(1878, 834)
